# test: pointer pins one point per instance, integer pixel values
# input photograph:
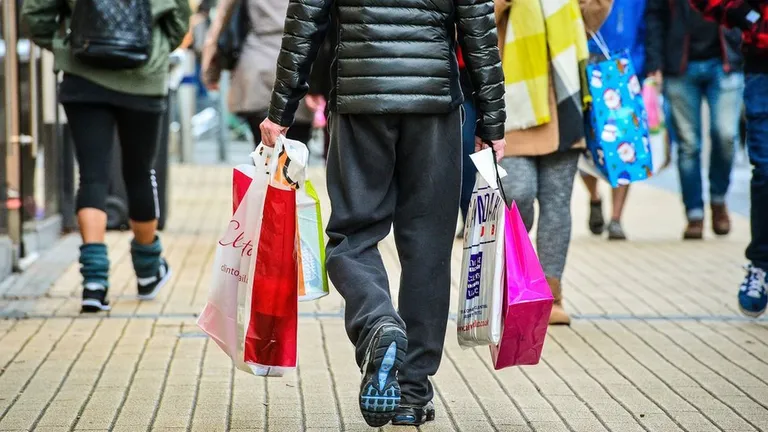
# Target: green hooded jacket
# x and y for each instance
(47, 28)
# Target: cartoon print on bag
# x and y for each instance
(646, 144)
(627, 152)
(597, 79)
(634, 86)
(610, 132)
(612, 99)
(624, 178)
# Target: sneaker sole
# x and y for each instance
(152, 294)
(91, 306)
(380, 391)
(409, 420)
(751, 314)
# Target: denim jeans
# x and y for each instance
(723, 92)
(756, 103)
(468, 171)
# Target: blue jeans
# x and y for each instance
(469, 172)
(723, 92)
(756, 104)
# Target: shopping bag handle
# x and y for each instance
(496, 168)
(600, 42)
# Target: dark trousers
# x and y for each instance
(756, 104)
(93, 132)
(402, 171)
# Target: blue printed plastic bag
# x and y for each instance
(617, 122)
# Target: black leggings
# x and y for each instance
(299, 131)
(93, 130)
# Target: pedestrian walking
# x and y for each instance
(698, 60)
(117, 83)
(395, 158)
(545, 121)
(254, 74)
(752, 18)
(624, 29)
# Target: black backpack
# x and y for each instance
(111, 34)
(232, 37)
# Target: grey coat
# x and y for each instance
(252, 80)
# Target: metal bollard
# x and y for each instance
(223, 116)
(187, 97)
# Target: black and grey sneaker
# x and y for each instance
(411, 415)
(379, 390)
(150, 286)
(94, 298)
(596, 220)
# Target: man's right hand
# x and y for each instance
(658, 76)
(270, 131)
(498, 147)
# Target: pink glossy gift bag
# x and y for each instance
(527, 299)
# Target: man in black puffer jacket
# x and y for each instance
(395, 157)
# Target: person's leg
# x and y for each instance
(684, 95)
(752, 295)
(254, 121)
(557, 172)
(618, 198)
(301, 132)
(724, 95)
(521, 185)
(93, 133)
(596, 221)
(425, 218)
(139, 133)
(363, 195)
(468, 170)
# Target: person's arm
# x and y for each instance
(730, 13)
(657, 15)
(479, 44)
(42, 20)
(224, 11)
(306, 25)
(594, 13)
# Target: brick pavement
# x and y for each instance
(658, 344)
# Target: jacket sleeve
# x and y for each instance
(594, 13)
(42, 20)
(306, 25)
(656, 22)
(176, 23)
(479, 44)
(730, 13)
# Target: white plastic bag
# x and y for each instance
(482, 265)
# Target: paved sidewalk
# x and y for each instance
(657, 345)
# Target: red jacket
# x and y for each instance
(751, 16)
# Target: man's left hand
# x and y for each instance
(270, 131)
(497, 145)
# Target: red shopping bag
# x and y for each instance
(527, 299)
(270, 338)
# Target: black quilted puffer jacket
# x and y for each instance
(394, 58)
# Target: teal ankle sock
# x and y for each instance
(146, 258)
(94, 264)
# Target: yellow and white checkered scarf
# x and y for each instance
(544, 35)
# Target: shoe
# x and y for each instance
(409, 415)
(379, 389)
(596, 220)
(149, 287)
(694, 230)
(558, 316)
(615, 231)
(753, 293)
(94, 298)
(721, 222)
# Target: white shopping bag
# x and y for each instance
(226, 316)
(482, 265)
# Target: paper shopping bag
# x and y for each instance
(482, 265)
(527, 299)
(616, 122)
(658, 134)
(313, 279)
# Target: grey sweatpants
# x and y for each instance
(402, 171)
(548, 179)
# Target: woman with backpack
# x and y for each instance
(254, 72)
(114, 58)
